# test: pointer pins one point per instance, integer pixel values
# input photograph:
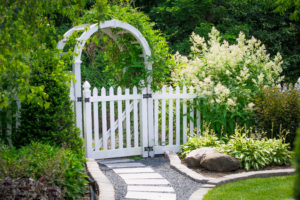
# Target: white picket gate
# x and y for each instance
(136, 123)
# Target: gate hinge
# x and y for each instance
(148, 148)
(79, 99)
(147, 96)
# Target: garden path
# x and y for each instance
(150, 178)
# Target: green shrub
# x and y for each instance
(207, 139)
(56, 123)
(297, 156)
(253, 153)
(256, 153)
(277, 110)
(226, 78)
(42, 161)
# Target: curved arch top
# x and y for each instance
(89, 30)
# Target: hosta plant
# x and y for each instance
(226, 77)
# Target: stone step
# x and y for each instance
(125, 165)
(111, 161)
(150, 195)
(140, 176)
(133, 170)
(146, 181)
(139, 188)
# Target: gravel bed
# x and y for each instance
(183, 186)
(118, 183)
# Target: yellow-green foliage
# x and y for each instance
(278, 110)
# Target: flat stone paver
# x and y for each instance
(111, 161)
(133, 170)
(159, 188)
(125, 165)
(146, 181)
(140, 175)
(150, 195)
(142, 181)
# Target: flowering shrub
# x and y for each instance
(226, 77)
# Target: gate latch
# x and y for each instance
(147, 96)
(148, 148)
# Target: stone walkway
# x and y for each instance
(142, 181)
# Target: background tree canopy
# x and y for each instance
(259, 18)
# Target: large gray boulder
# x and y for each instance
(219, 162)
(194, 157)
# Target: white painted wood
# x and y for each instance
(135, 119)
(191, 112)
(96, 121)
(184, 112)
(120, 124)
(125, 165)
(104, 122)
(150, 121)
(198, 123)
(144, 123)
(116, 153)
(170, 117)
(177, 125)
(156, 122)
(127, 109)
(163, 117)
(87, 119)
(111, 161)
(77, 89)
(112, 119)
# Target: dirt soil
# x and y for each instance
(211, 174)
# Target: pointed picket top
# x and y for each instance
(119, 91)
(134, 90)
(95, 91)
(191, 89)
(170, 90)
(111, 91)
(184, 90)
(103, 91)
(86, 85)
(163, 90)
(177, 90)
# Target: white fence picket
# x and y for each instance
(184, 112)
(170, 117)
(191, 112)
(177, 125)
(163, 117)
(104, 122)
(135, 119)
(120, 122)
(96, 121)
(87, 119)
(156, 122)
(127, 109)
(112, 119)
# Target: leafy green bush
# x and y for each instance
(56, 123)
(207, 139)
(297, 157)
(277, 110)
(52, 164)
(253, 153)
(226, 78)
(256, 153)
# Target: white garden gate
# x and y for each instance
(127, 123)
(139, 123)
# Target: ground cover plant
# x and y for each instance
(297, 164)
(226, 78)
(252, 150)
(53, 166)
(258, 188)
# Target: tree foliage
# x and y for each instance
(179, 18)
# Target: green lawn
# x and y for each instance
(257, 188)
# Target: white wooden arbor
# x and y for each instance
(89, 29)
